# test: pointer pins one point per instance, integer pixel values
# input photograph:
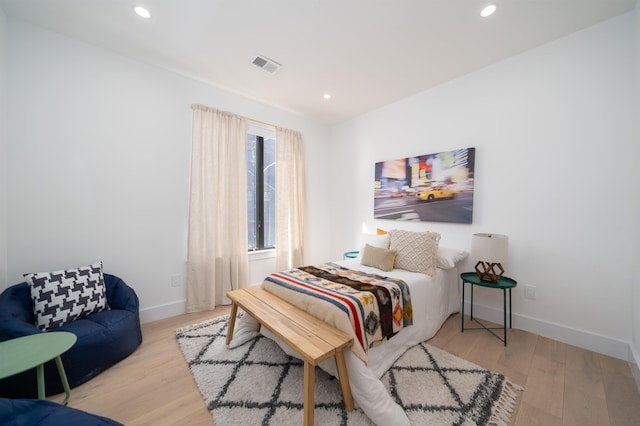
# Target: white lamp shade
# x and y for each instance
(491, 248)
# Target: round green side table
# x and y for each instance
(503, 284)
(350, 254)
(33, 351)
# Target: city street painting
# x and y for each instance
(430, 188)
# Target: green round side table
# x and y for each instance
(503, 284)
(350, 254)
(33, 351)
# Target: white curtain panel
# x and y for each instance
(290, 199)
(217, 258)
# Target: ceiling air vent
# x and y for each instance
(266, 64)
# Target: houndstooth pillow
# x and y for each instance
(417, 251)
(60, 297)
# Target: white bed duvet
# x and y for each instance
(433, 300)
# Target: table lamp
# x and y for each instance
(490, 250)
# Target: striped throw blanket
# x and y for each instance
(370, 307)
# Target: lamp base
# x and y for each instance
(487, 271)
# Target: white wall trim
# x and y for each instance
(262, 254)
(572, 336)
(591, 341)
(634, 364)
(158, 312)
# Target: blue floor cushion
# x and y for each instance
(103, 338)
(34, 412)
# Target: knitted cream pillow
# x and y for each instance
(417, 251)
(448, 258)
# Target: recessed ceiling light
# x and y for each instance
(327, 96)
(142, 12)
(488, 10)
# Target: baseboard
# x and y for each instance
(591, 341)
(159, 312)
(572, 336)
(634, 363)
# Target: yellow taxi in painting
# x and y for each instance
(436, 193)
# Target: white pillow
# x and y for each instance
(245, 329)
(417, 251)
(449, 258)
(374, 240)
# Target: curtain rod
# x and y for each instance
(262, 122)
(193, 106)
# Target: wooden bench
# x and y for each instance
(310, 337)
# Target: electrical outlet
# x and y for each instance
(177, 280)
(529, 292)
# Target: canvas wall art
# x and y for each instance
(432, 188)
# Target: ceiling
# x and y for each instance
(365, 53)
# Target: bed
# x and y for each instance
(434, 297)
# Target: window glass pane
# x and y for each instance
(261, 186)
(269, 173)
(251, 191)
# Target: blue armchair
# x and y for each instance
(104, 338)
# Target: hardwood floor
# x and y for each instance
(564, 385)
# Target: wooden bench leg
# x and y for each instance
(232, 322)
(344, 380)
(309, 399)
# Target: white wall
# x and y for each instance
(636, 203)
(552, 129)
(99, 159)
(3, 155)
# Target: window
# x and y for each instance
(261, 187)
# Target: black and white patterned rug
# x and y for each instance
(258, 384)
